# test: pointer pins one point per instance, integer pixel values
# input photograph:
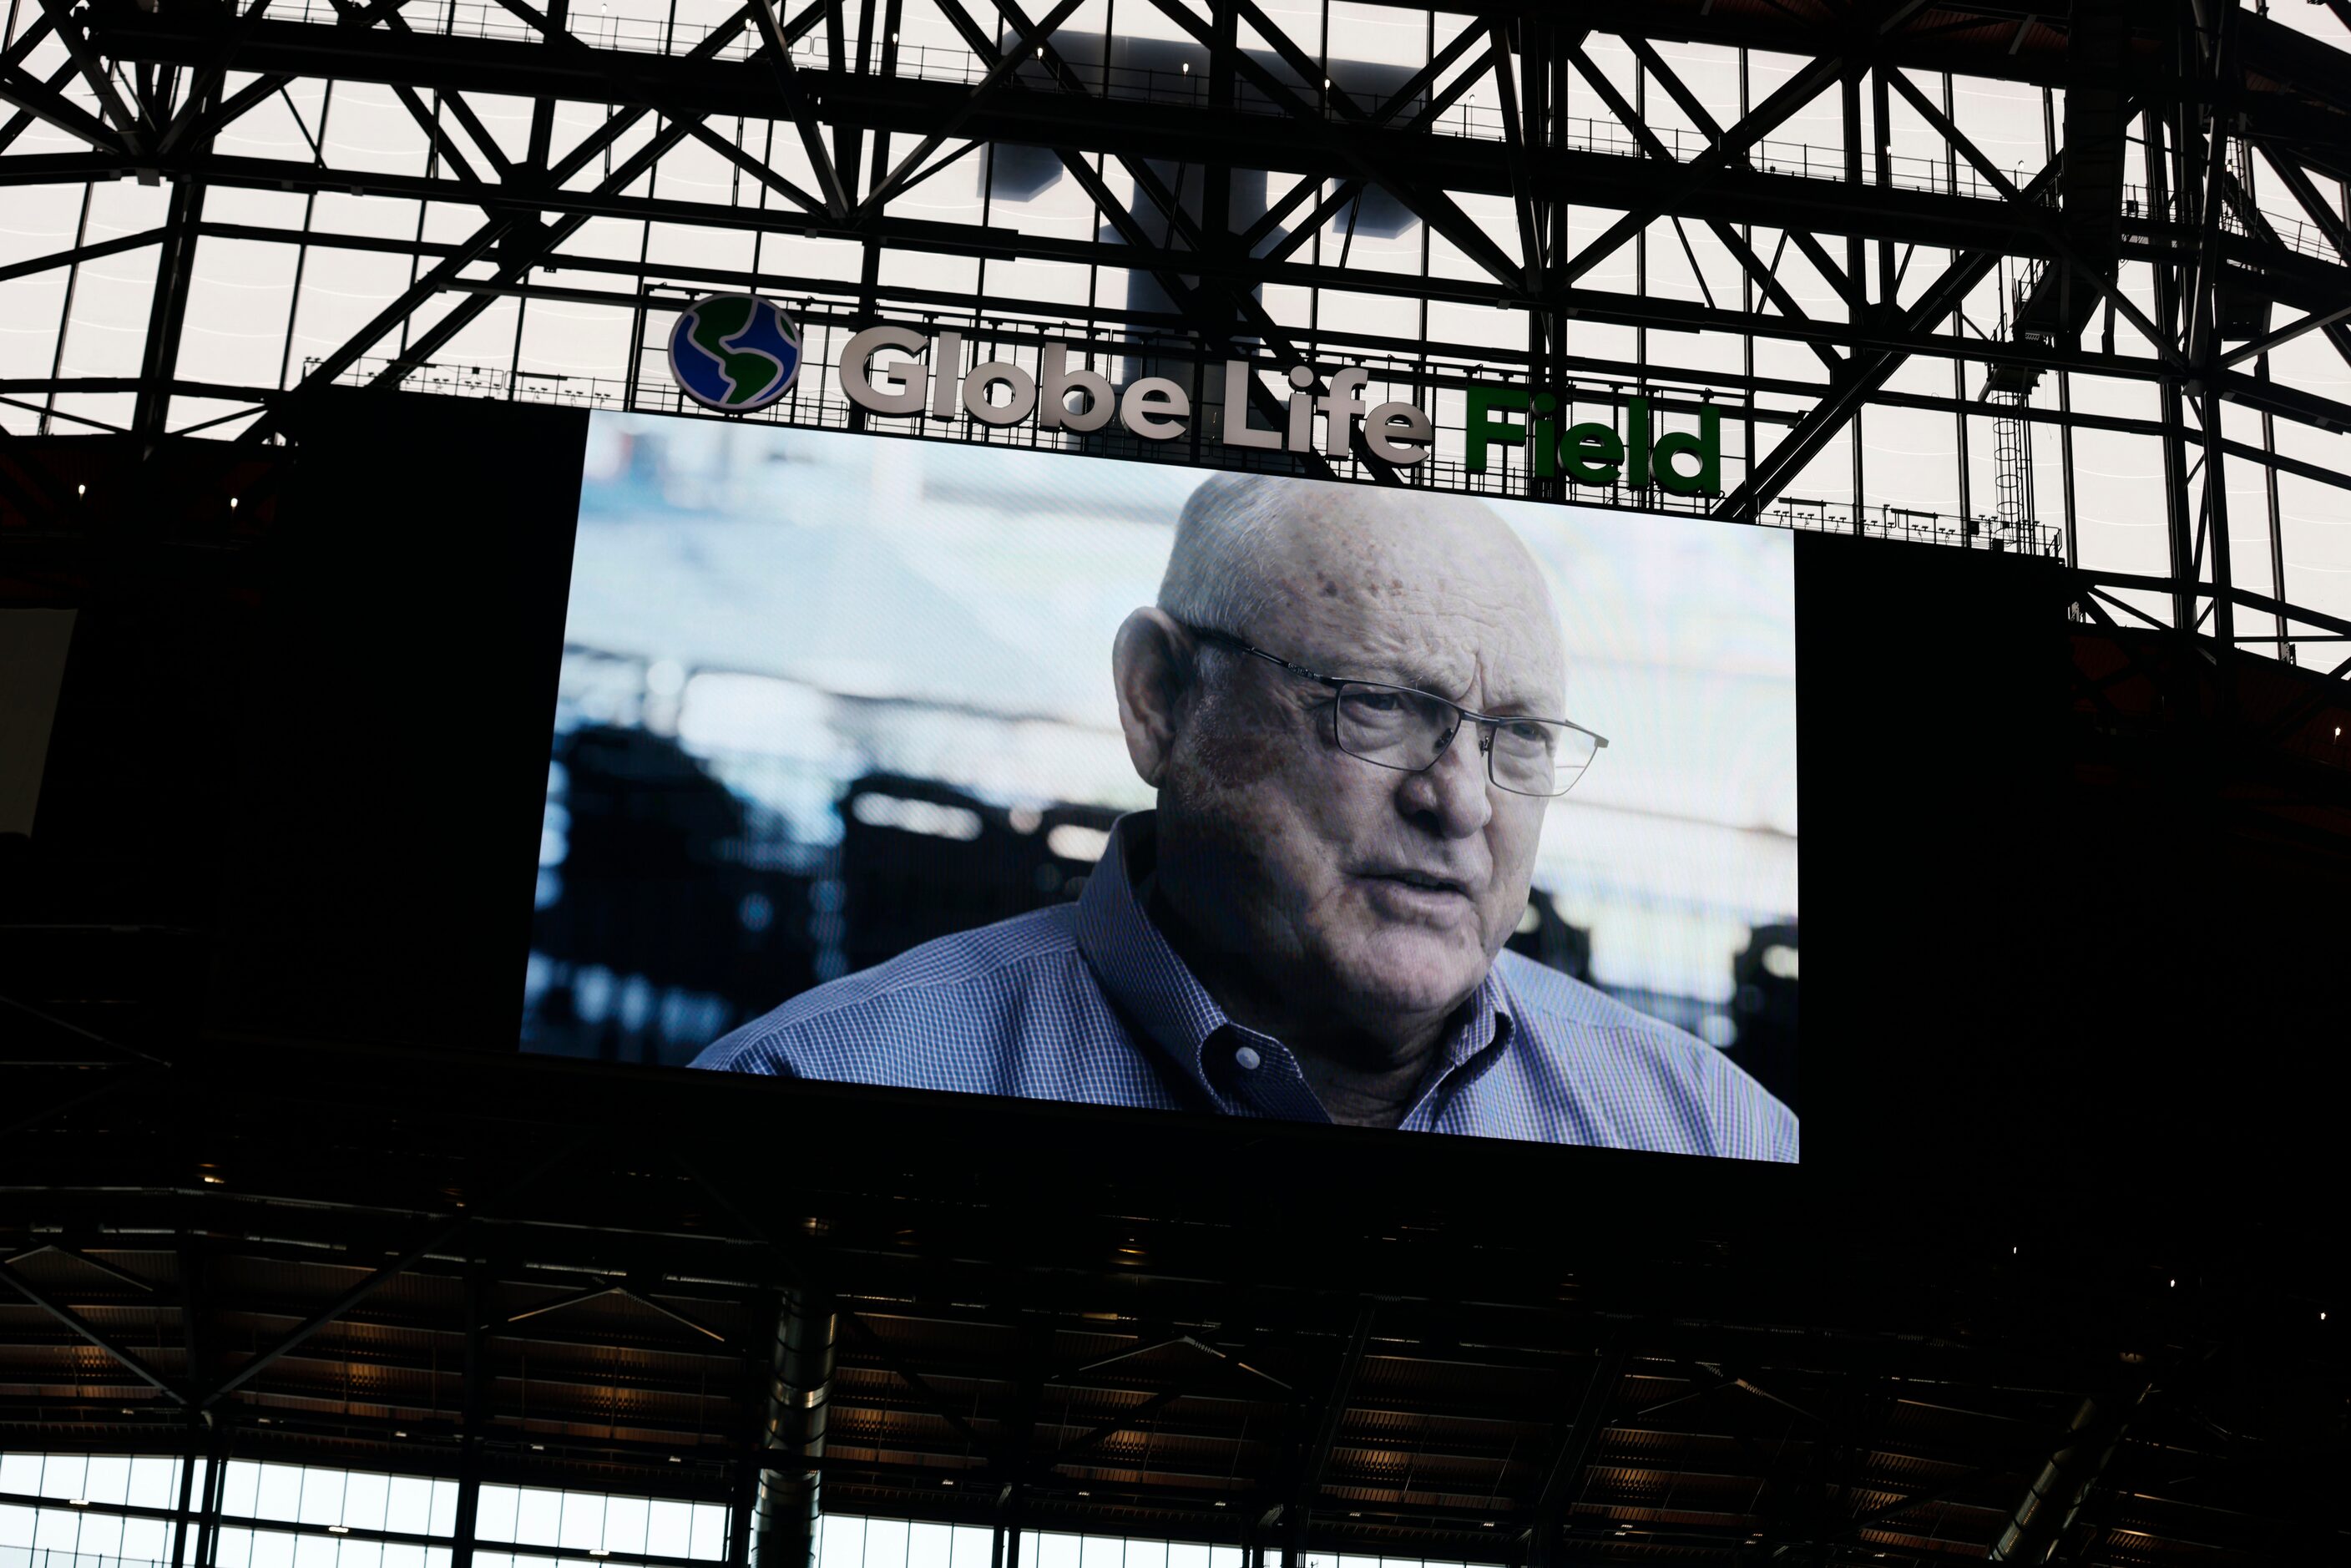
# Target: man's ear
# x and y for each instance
(1153, 665)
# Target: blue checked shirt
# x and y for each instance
(1087, 1002)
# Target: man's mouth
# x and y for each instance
(1426, 881)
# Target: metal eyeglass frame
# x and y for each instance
(1486, 722)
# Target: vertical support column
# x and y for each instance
(1856, 263)
(800, 1393)
(167, 313)
(2277, 531)
(2215, 61)
(208, 1514)
(744, 1498)
(2179, 531)
(473, 1413)
(199, 1383)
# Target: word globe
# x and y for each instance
(735, 352)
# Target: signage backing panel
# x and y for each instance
(849, 729)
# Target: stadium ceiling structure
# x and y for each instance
(1045, 1320)
(2071, 280)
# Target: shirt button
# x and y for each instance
(1247, 1060)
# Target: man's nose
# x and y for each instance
(1451, 797)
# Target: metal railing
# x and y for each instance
(49, 1557)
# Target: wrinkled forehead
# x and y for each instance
(1428, 591)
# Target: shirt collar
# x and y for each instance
(1141, 973)
(1160, 995)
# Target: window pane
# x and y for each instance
(1056, 1551)
(279, 1493)
(323, 1497)
(445, 1510)
(313, 1552)
(109, 1479)
(149, 1540)
(62, 1476)
(583, 1522)
(21, 1474)
(233, 1548)
(101, 1533)
(398, 1555)
(709, 1530)
(155, 1481)
(1147, 1554)
(16, 1525)
(408, 1505)
(974, 1547)
(537, 1516)
(272, 1549)
(56, 1529)
(365, 1498)
(624, 1524)
(1185, 1555)
(928, 1545)
(840, 1541)
(670, 1530)
(885, 1543)
(360, 1554)
(494, 1515)
(241, 1490)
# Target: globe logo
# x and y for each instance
(735, 352)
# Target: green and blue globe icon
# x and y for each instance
(735, 352)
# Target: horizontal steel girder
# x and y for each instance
(1027, 116)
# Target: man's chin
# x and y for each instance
(1409, 972)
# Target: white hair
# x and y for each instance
(1216, 574)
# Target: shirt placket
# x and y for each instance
(1470, 1051)
(1259, 1076)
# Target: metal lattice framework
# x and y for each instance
(1939, 265)
(492, 1270)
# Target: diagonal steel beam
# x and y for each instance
(1334, 1410)
(27, 41)
(491, 233)
(560, 38)
(1862, 376)
(79, 254)
(1765, 276)
(795, 103)
(1347, 190)
(1086, 1441)
(1434, 207)
(208, 79)
(1242, 305)
(1514, 145)
(1838, 277)
(90, 1331)
(794, 1263)
(999, 74)
(1695, 175)
(1561, 1470)
(85, 59)
(437, 1235)
(42, 101)
(2329, 224)
(2038, 217)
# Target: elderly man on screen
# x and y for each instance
(1350, 703)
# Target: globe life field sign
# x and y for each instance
(735, 354)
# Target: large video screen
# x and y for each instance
(982, 770)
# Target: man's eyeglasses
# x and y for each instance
(1408, 729)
